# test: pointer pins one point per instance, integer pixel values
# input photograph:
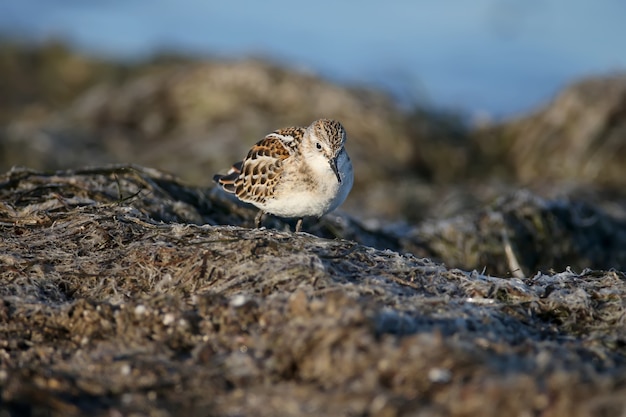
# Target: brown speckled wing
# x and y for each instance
(261, 169)
(291, 137)
(254, 178)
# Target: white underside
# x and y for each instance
(297, 197)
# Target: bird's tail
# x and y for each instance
(227, 181)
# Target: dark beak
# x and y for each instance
(333, 166)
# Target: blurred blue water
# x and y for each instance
(490, 57)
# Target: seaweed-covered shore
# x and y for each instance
(473, 271)
(115, 301)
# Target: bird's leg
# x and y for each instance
(299, 225)
(258, 219)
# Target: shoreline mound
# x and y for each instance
(123, 291)
(194, 117)
(576, 138)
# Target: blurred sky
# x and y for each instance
(481, 57)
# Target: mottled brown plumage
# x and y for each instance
(294, 172)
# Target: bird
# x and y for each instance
(294, 172)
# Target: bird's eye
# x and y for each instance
(318, 146)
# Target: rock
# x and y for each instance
(123, 291)
(578, 137)
(195, 118)
(521, 233)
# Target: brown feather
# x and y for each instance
(254, 178)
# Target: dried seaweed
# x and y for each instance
(122, 291)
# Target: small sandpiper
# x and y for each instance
(294, 172)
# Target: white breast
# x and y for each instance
(312, 192)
